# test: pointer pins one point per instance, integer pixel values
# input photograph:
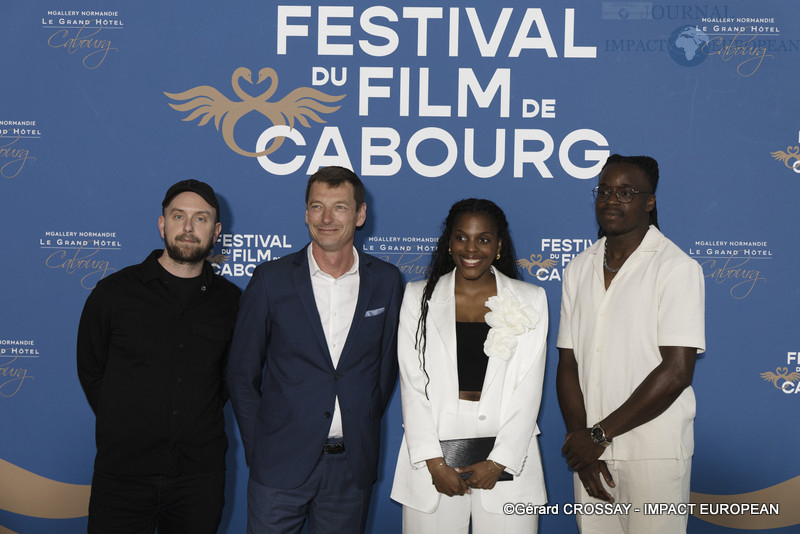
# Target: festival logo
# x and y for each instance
(240, 254)
(790, 158)
(82, 254)
(548, 263)
(786, 378)
(411, 254)
(300, 105)
(423, 115)
(83, 33)
(736, 265)
(14, 151)
(15, 354)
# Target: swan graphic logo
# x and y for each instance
(786, 379)
(217, 259)
(783, 380)
(548, 263)
(300, 105)
(790, 158)
(535, 263)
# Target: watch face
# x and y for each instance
(598, 435)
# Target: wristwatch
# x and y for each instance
(599, 435)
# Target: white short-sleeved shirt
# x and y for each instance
(657, 299)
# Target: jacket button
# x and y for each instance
(337, 376)
(327, 415)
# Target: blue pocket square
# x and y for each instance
(373, 313)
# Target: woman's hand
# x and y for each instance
(446, 480)
(484, 474)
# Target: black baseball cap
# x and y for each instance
(192, 186)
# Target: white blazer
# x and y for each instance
(508, 409)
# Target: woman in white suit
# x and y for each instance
(471, 347)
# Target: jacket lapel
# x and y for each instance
(364, 285)
(442, 314)
(495, 364)
(302, 282)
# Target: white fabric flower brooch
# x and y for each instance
(508, 319)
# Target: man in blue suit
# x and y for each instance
(312, 366)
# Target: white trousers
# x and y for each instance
(638, 483)
(454, 513)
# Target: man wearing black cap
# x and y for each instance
(152, 346)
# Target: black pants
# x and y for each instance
(186, 504)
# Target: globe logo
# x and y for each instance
(685, 46)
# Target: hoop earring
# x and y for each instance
(498, 255)
(449, 251)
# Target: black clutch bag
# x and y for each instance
(468, 451)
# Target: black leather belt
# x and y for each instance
(333, 448)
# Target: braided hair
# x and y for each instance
(442, 263)
(650, 168)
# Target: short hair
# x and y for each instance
(334, 177)
(649, 167)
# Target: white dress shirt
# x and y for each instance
(336, 300)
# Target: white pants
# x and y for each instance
(454, 513)
(639, 482)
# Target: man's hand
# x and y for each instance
(446, 480)
(592, 483)
(483, 476)
(580, 449)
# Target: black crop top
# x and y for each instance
(472, 361)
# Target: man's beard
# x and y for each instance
(186, 255)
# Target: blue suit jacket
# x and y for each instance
(282, 380)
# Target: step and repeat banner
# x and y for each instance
(104, 104)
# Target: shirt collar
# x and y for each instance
(650, 241)
(151, 270)
(313, 266)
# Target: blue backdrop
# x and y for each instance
(103, 105)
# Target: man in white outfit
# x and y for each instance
(632, 323)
